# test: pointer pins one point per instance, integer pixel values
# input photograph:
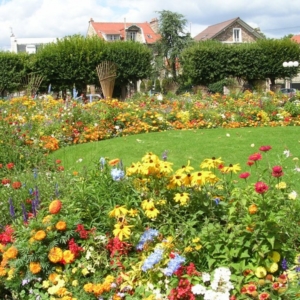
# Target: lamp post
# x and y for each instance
(290, 64)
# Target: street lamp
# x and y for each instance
(290, 65)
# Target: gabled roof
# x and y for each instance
(214, 30)
(296, 38)
(104, 28)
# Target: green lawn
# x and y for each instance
(233, 145)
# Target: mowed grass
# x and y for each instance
(232, 145)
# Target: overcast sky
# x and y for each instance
(59, 18)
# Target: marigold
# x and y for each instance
(252, 209)
(10, 253)
(68, 256)
(88, 287)
(61, 225)
(35, 267)
(55, 206)
(40, 235)
(55, 255)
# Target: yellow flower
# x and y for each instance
(152, 212)
(61, 225)
(55, 255)
(188, 249)
(133, 212)
(68, 256)
(198, 247)
(253, 209)
(118, 211)
(122, 230)
(47, 219)
(46, 284)
(211, 163)
(275, 256)
(183, 198)
(273, 267)
(88, 287)
(281, 185)
(10, 253)
(39, 235)
(231, 168)
(85, 271)
(260, 272)
(147, 204)
(185, 169)
(196, 240)
(75, 282)
(35, 267)
(165, 167)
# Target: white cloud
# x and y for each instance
(58, 18)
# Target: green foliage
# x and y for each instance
(172, 28)
(12, 68)
(157, 85)
(143, 86)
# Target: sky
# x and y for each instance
(59, 18)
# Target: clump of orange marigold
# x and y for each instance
(55, 206)
(40, 235)
(10, 253)
(252, 209)
(61, 225)
(35, 267)
(55, 255)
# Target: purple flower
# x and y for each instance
(173, 264)
(284, 264)
(25, 219)
(11, 208)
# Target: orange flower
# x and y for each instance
(61, 225)
(68, 256)
(114, 162)
(10, 253)
(88, 287)
(55, 206)
(35, 267)
(55, 255)
(16, 185)
(40, 235)
(252, 209)
(2, 272)
(52, 278)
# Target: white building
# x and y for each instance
(29, 45)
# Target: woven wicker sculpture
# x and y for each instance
(31, 83)
(107, 73)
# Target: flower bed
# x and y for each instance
(144, 231)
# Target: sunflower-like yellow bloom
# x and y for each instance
(211, 163)
(152, 212)
(118, 211)
(122, 231)
(40, 235)
(147, 204)
(183, 198)
(185, 169)
(231, 168)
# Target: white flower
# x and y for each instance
(297, 169)
(292, 195)
(79, 160)
(287, 153)
(205, 277)
(227, 134)
(198, 289)
(252, 145)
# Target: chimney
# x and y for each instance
(154, 25)
(91, 20)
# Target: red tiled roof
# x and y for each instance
(118, 28)
(296, 38)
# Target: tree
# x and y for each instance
(173, 39)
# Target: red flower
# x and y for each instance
(1, 166)
(60, 168)
(265, 148)
(255, 156)
(277, 171)
(58, 161)
(7, 235)
(261, 187)
(250, 163)
(10, 166)
(244, 175)
(264, 296)
(16, 185)
(5, 181)
(74, 248)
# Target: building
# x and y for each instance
(29, 45)
(145, 33)
(231, 31)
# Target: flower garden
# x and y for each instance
(145, 231)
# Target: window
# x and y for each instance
(131, 35)
(31, 49)
(113, 37)
(237, 35)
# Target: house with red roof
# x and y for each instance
(145, 33)
(296, 38)
(230, 31)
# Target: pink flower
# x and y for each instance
(261, 187)
(265, 148)
(250, 163)
(244, 175)
(255, 157)
(277, 171)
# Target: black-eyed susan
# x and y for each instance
(183, 198)
(118, 211)
(152, 213)
(165, 167)
(185, 169)
(147, 204)
(135, 168)
(122, 231)
(231, 168)
(175, 181)
(211, 163)
(200, 178)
